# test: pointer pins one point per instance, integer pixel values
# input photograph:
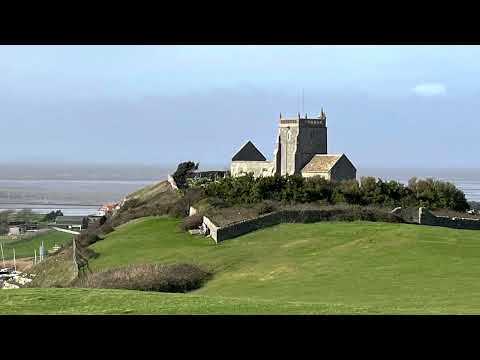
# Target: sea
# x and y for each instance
(82, 193)
(75, 189)
(72, 197)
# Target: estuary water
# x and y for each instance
(73, 197)
(83, 197)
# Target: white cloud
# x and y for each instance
(430, 89)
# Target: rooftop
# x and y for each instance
(248, 152)
(70, 220)
(322, 162)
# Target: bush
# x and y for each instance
(266, 207)
(192, 222)
(217, 202)
(149, 277)
(368, 191)
(52, 215)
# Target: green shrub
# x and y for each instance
(266, 207)
(192, 222)
(148, 277)
(293, 189)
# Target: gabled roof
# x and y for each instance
(70, 220)
(248, 152)
(322, 162)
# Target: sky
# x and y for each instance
(386, 106)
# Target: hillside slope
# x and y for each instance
(156, 191)
(392, 268)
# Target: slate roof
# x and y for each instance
(70, 220)
(322, 163)
(248, 152)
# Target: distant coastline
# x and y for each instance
(90, 187)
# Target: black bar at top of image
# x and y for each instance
(252, 29)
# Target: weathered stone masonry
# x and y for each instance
(427, 218)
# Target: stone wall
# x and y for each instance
(409, 215)
(209, 228)
(324, 174)
(192, 211)
(233, 230)
(288, 133)
(312, 140)
(258, 168)
(427, 218)
(343, 170)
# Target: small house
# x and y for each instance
(72, 222)
(15, 230)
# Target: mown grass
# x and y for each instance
(124, 302)
(374, 267)
(26, 247)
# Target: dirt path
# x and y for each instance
(22, 264)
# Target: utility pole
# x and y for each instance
(303, 101)
(14, 261)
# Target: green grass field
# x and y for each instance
(327, 267)
(102, 301)
(26, 247)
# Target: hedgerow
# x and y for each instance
(368, 191)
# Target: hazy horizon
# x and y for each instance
(140, 172)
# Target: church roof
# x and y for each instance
(322, 163)
(248, 152)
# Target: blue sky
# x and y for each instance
(387, 106)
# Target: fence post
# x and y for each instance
(74, 256)
(3, 258)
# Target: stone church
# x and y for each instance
(301, 149)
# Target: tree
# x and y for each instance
(182, 172)
(52, 215)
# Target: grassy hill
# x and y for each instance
(157, 191)
(103, 301)
(391, 268)
(325, 268)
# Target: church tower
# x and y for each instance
(299, 140)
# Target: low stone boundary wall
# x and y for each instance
(233, 230)
(409, 214)
(427, 218)
(423, 217)
(209, 228)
